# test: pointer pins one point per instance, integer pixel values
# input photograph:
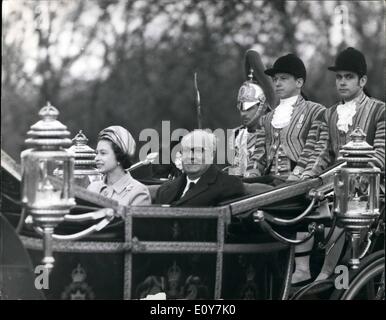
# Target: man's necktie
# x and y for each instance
(191, 185)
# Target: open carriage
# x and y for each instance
(243, 249)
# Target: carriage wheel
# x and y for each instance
(366, 283)
(371, 282)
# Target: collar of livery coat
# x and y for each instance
(283, 112)
(358, 100)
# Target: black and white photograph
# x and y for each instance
(185, 150)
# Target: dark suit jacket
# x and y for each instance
(213, 187)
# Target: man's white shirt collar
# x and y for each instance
(346, 112)
(188, 181)
(283, 112)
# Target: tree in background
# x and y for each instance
(131, 63)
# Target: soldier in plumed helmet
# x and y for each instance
(255, 97)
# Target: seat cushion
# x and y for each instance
(153, 191)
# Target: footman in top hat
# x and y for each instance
(288, 133)
(288, 137)
(355, 109)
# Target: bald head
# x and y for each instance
(198, 150)
(199, 139)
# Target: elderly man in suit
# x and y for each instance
(202, 183)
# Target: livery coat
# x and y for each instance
(369, 116)
(286, 151)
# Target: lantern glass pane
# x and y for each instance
(361, 193)
(41, 186)
(374, 192)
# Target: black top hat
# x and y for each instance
(352, 60)
(289, 63)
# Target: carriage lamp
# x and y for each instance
(85, 170)
(356, 188)
(46, 199)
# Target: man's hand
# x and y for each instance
(305, 177)
(292, 177)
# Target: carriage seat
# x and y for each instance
(250, 189)
(153, 191)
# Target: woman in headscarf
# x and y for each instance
(115, 149)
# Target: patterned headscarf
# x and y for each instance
(121, 137)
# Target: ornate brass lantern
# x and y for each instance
(85, 170)
(356, 187)
(46, 199)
